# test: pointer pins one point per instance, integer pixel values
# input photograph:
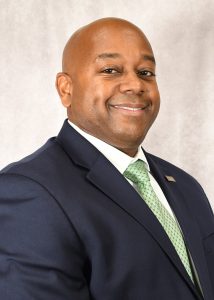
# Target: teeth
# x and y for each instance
(129, 108)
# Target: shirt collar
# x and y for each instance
(118, 158)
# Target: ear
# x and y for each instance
(64, 88)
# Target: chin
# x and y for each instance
(134, 137)
(128, 141)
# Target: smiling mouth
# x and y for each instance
(131, 108)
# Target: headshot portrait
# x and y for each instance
(106, 161)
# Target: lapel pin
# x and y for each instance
(170, 178)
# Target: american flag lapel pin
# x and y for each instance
(170, 178)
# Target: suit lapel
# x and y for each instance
(192, 237)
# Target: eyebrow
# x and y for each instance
(117, 55)
(149, 57)
(108, 55)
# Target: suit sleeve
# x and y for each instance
(41, 255)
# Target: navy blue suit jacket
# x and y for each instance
(73, 228)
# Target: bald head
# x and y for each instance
(82, 41)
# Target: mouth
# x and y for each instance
(135, 108)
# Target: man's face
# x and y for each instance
(114, 91)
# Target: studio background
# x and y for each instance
(32, 37)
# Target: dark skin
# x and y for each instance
(108, 83)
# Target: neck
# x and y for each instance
(129, 151)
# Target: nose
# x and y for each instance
(131, 83)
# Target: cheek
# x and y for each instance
(97, 97)
(156, 94)
(155, 98)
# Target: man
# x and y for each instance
(75, 220)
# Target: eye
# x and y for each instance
(110, 71)
(146, 73)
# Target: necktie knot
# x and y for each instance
(137, 172)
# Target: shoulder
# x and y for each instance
(44, 163)
(39, 156)
(29, 192)
(45, 174)
(35, 174)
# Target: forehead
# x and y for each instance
(122, 40)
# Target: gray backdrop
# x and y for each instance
(33, 33)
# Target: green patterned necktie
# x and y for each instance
(138, 174)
